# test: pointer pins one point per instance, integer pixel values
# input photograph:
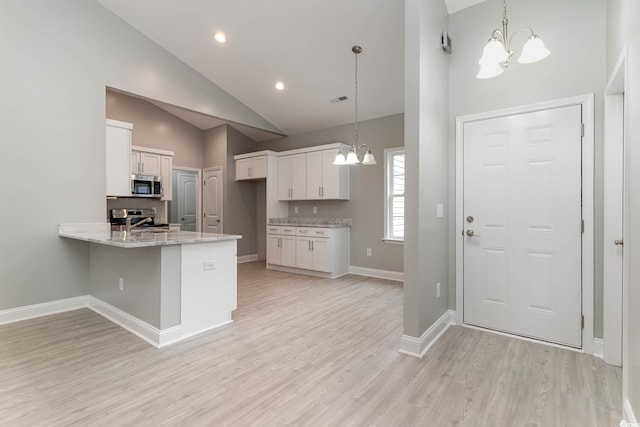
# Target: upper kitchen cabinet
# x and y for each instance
(118, 150)
(151, 161)
(251, 168)
(292, 177)
(324, 179)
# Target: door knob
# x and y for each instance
(217, 220)
(472, 233)
(618, 242)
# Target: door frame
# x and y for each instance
(587, 103)
(614, 144)
(198, 192)
(212, 169)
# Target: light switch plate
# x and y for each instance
(209, 265)
(439, 210)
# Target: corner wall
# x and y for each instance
(427, 175)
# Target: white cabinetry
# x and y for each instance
(319, 251)
(151, 161)
(313, 249)
(281, 246)
(292, 177)
(251, 168)
(324, 179)
(118, 149)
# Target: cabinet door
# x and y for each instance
(151, 163)
(259, 167)
(298, 177)
(304, 256)
(273, 249)
(118, 149)
(314, 175)
(243, 167)
(166, 173)
(284, 178)
(321, 249)
(288, 251)
(331, 176)
(136, 166)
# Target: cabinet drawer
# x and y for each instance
(271, 229)
(288, 231)
(314, 232)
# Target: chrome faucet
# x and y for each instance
(137, 224)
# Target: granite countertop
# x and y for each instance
(311, 222)
(101, 233)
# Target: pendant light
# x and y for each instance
(352, 155)
(497, 51)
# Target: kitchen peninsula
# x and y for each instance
(162, 286)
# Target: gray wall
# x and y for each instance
(58, 59)
(576, 66)
(623, 29)
(155, 128)
(426, 148)
(366, 188)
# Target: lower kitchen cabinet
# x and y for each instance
(281, 246)
(320, 251)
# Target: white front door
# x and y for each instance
(522, 224)
(185, 183)
(213, 200)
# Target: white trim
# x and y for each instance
(598, 348)
(152, 150)
(394, 241)
(418, 347)
(198, 192)
(629, 416)
(118, 123)
(389, 153)
(44, 309)
(613, 213)
(378, 274)
(306, 272)
(247, 258)
(587, 103)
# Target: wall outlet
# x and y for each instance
(295, 209)
(121, 284)
(437, 290)
(315, 210)
(369, 253)
(209, 265)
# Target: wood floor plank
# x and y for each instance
(302, 351)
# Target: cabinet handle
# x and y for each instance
(319, 191)
(309, 244)
(312, 245)
(322, 191)
(250, 171)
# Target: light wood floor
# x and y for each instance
(303, 352)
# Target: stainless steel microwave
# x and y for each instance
(146, 186)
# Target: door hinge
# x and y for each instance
(204, 182)
(582, 130)
(204, 214)
(582, 225)
(582, 320)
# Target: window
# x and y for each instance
(394, 194)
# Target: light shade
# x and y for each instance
(339, 160)
(369, 159)
(494, 52)
(352, 158)
(533, 50)
(488, 71)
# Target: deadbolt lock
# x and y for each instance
(469, 219)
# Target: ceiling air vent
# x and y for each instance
(338, 99)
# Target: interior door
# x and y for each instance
(213, 200)
(522, 209)
(187, 199)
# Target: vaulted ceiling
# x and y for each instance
(306, 45)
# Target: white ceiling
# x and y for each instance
(305, 44)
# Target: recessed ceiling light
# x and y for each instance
(220, 37)
(279, 85)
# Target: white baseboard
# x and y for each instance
(142, 329)
(379, 274)
(629, 416)
(45, 309)
(247, 258)
(598, 348)
(418, 347)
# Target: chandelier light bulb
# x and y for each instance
(494, 52)
(489, 70)
(339, 160)
(533, 51)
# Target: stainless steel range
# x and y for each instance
(134, 218)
